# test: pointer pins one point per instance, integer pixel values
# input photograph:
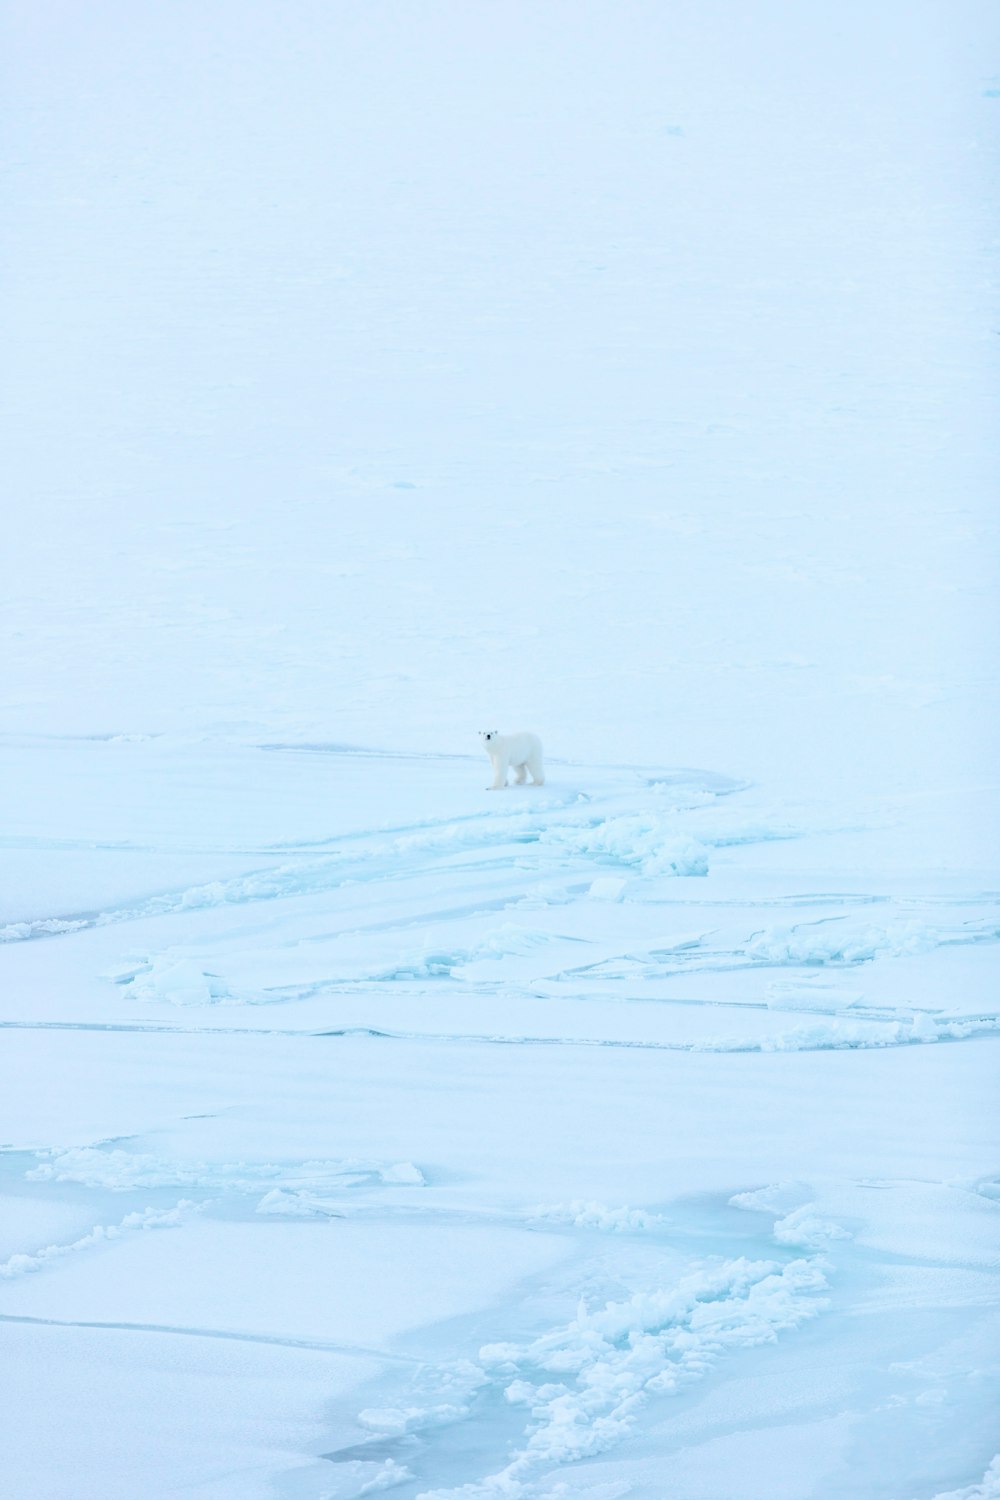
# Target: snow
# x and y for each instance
(989, 1486)
(376, 372)
(614, 1357)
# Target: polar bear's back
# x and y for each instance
(522, 747)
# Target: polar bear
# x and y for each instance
(523, 751)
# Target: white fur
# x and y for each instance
(523, 751)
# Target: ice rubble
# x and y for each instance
(610, 1361)
(988, 1487)
(121, 1171)
(149, 1218)
(845, 941)
(589, 1215)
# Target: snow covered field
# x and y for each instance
(383, 373)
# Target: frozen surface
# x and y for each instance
(384, 373)
(507, 1155)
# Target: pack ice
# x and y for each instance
(379, 372)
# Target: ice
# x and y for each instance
(150, 1218)
(990, 1485)
(651, 844)
(142, 1411)
(608, 1361)
(379, 372)
(598, 1216)
(389, 1475)
(176, 979)
(987, 1489)
(837, 942)
(305, 1281)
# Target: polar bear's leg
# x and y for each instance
(500, 764)
(536, 768)
(521, 774)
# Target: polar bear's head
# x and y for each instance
(488, 736)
